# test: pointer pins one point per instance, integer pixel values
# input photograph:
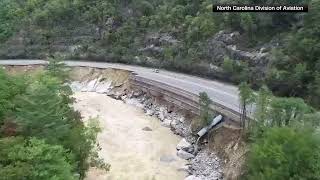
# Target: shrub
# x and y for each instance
(285, 153)
(33, 159)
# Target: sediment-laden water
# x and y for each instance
(134, 151)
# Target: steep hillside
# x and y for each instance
(277, 49)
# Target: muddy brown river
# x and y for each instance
(134, 154)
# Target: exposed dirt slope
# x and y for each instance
(230, 147)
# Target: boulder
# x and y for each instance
(182, 119)
(137, 94)
(184, 155)
(149, 112)
(124, 97)
(227, 38)
(192, 177)
(184, 168)
(147, 129)
(115, 95)
(166, 123)
(184, 145)
(175, 122)
(161, 115)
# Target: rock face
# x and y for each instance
(223, 44)
(95, 85)
(185, 155)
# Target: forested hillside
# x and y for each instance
(41, 135)
(277, 49)
(276, 54)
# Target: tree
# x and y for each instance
(10, 16)
(9, 88)
(33, 159)
(262, 104)
(246, 98)
(314, 91)
(43, 110)
(57, 68)
(285, 111)
(285, 153)
(97, 12)
(46, 18)
(205, 101)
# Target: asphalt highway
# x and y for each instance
(219, 92)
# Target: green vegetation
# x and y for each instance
(285, 153)
(205, 116)
(284, 137)
(119, 30)
(205, 102)
(246, 98)
(41, 135)
(172, 34)
(33, 159)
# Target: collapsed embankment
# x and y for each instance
(221, 152)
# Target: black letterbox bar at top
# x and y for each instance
(258, 8)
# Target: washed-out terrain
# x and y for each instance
(143, 138)
(136, 145)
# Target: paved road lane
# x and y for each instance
(219, 92)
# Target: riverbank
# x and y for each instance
(223, 142)
(136, 145)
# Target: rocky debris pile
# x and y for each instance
(206, 165)
(203, 165)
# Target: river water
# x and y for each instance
(134, 154)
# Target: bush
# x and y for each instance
(285, 153)
(33, 159)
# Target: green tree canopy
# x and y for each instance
(33, 159)
(285, 153)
